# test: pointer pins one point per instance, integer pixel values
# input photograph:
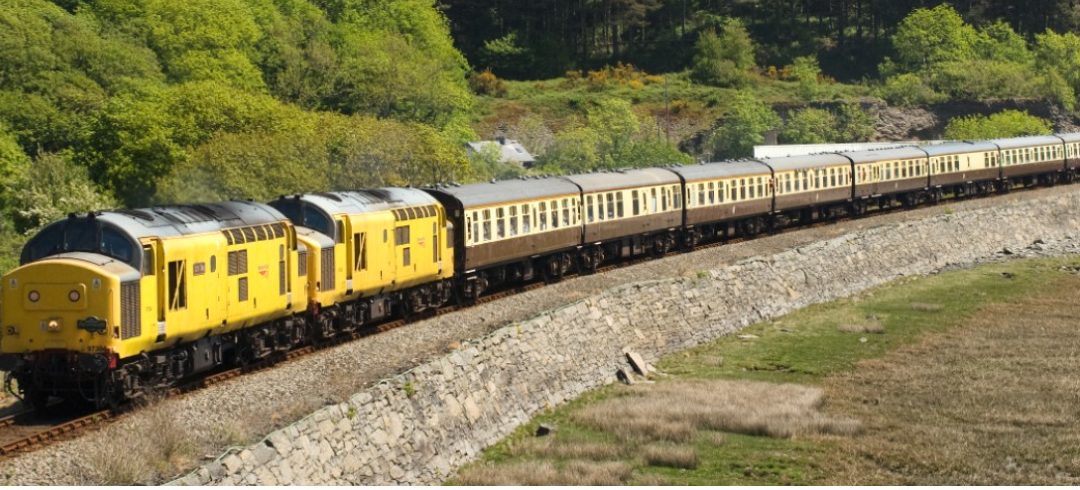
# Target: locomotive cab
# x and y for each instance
(60, 311)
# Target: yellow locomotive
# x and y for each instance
(111, 305)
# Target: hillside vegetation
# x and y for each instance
(108, 103)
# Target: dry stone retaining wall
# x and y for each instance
(419, 426)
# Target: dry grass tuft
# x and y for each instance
(869, 326)
(545, 473)
(554, 448)
(928, 307)
(157, 447)
(670, 455)
(754, 408)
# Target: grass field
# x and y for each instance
(968, 377)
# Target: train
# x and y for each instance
(110, 306)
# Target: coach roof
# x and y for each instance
(489, 193)
(623, 179)
(891, 154)
(720, 170)
(802, 162)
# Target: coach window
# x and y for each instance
(500, 222)
(588, 208)
(543, 216)
(475, 227)
(652, 200)
(676, 194)
(620, 211)
(487, 225)
(526, 219)
(566, 212)
(635, 203)
(513, 221)
(712, 193)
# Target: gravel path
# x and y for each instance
(205, 422)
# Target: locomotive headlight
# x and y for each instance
(34, 296)
(74, 296)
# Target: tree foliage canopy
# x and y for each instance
(1004, 124)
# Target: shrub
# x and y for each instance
(745, 125)
(486, 83)
(1004, 124)
(908, 90)
(809, 126)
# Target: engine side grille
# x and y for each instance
(301, 263)
(130, 307)
(242, 286)
(281, 278)
(327, 269)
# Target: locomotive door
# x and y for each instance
(162, 288)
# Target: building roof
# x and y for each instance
(510, 150)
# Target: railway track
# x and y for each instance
(28, 431)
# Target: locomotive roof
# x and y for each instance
(366, 200)
(1069, 137)
(717, 170)
(801, 162)
(487, 193)
(958, 147)
(871, 156)
(622, 179)
(189, 219)
(1025, 141)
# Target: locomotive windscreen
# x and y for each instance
(81, 235)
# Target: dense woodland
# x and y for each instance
(544, 38)
(108, 103)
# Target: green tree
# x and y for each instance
(1059, 54)
(930, 36)
(809, 126)
(13, 164)
(1004, 124)
(615, 124)
(573, 151)
(909, 90)
(138, 138)
(743, 127)
(723, 59)
(853, 124)
(806, 72)
(52, 188)
(1000, 42)
(487, 164)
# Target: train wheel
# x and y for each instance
(38, 400)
